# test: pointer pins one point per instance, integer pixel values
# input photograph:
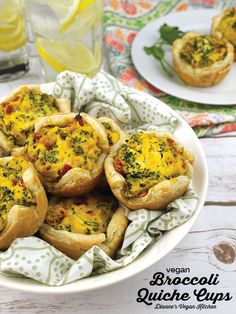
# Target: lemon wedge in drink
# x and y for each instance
(67, 11)
(61, 56)
(72, 9)
(72, 13)
(12, 26)
(11, 43)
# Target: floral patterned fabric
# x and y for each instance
(122, 20)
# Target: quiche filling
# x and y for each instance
(112, 136)
(12, 188)
(55, 149)
(227, 26)
(19, 113)
(83, 215)
(145, 160)
(203, 51)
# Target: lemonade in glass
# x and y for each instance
(67, 34)
(13, 35)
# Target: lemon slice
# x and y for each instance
(13, 36)
(62, 56)
(12, 26)
(77, 7)
(87, 20)
(6, 29)
(10, 29)
(85, 4)
(11, 44)
(9, 10)
(73, 11)
(98, 53)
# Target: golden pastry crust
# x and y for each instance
(25, 220)
(72, 244)
(113, 130)
(230, 32)
(201, 76)
(115, 232)
(75, 180)
(6, 146)
(75, 244)
(159, 195)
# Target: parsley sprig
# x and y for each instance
(168, 34)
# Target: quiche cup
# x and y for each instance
(202, 60)
(23, 201)
(148, 170)
(20, 111)
(224, 26)
(113, 130)
(74, 225)
(68, 151)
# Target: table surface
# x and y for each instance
(210, 246)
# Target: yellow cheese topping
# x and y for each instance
(202, 51)
(55, 150)
(112, 135)
(227, 25)
(88, 214)
(12, 188)
(19, 114)
(145, 160)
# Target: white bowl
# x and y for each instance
(151, 255)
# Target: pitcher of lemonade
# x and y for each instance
(67, 34)
(13, 35)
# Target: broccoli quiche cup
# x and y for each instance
(23, 201)
(68, 151)
(74, 225)
(148, 170)
(113, 130)
(224, 26)
(202, 60)
(20, 111)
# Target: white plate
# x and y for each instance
(194, 20)
(153, 254)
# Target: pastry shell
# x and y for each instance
(158, 196)
(74, 245)
(200, 77)
(76, 181)
(62, 105)
(23, 221)
(215, 23)
(114, 127)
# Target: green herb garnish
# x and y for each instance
(168, 34)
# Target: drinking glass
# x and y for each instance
(13, 35)
(67, 35)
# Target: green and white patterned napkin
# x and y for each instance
(102, 95)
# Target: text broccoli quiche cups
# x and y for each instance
(68, 151)
(23, 201)
(74, 225)
(148, 170)
(202, 60)
(20, 111)
(224, 26)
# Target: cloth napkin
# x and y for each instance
(122, 20)
(102, 95)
